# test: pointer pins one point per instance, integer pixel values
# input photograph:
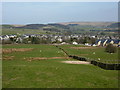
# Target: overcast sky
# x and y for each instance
(53, 12)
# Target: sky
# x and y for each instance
(54, 12)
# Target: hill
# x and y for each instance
(101, 24)
(62, 28)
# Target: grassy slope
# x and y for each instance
(74, 29)
(6, 31)
(19, 73)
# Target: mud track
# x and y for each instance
(44, 58)
(4, 51)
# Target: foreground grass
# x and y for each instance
(19, 73)
(53, 74)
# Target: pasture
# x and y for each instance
(40, 66)
(92, 53)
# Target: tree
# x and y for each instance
(36, 40)
(93, 40)
(110, 48)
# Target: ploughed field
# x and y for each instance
(42, 66)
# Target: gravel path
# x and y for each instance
(76, 62)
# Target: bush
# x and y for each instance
(110, 48)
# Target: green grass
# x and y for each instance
(88, 53)
(0, 73)
(19, 73)
(7, 31)
(76, 29)
(46, 51)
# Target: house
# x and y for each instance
(59, 39)
(94, 45)
(75, 43)
(116, 43)
(64, 43)
(98, 42)
(87, 44)
(19, 40)
(104, 43)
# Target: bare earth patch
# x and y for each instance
(10, 50)
(8, 57)
(76, 62)
(44, 58)
(82, 47)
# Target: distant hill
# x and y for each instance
(36, 26)
(101, 24)
(7, 26)
(114, 25)
(32, 26)
(66, 27)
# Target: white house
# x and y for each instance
(99, 43)
(112, 42)
(59, 39)
(75, 43)
(104, 43)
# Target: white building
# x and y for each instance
(75, 43)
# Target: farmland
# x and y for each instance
(92, 53)
(90, 28)
(23, 31)
(40, 66)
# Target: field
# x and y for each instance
(40, 66)
(92, 53)
(7, 31)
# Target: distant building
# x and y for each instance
(104, 42)
(75, 43)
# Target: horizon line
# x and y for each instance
(63, 22)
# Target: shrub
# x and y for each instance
(110, 48)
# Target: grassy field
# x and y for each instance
(73, 30)
(51, 73)
(92, 53)
(7, 31)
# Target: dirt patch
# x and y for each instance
(82, 47)
(8, 58)
(76, 62)
(44, 58)
(16, 50)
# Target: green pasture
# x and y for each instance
(52, 73)
(92, 54)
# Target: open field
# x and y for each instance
(92, 53)
(47, 70)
